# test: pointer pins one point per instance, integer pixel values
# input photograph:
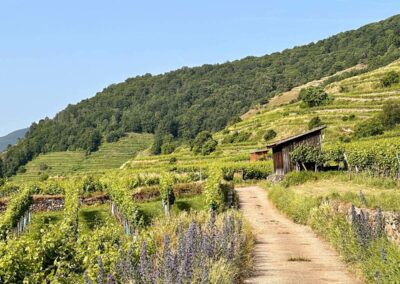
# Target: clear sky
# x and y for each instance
(53, 53)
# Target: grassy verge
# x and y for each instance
(377, 261)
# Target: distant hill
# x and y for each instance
(179, 104)
(12, 138)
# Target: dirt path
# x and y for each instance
(278, 239)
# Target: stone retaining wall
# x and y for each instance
(391, 219)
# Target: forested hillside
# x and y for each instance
(181, 103)
(11, 138)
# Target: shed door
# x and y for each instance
(278, 162)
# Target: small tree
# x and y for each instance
(390, 79)
(314, 96)
(167, 192)
(271, 134)
(314, 122)
(371, 127)
(391, 114)
(204, 143)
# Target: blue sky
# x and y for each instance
(53, 53)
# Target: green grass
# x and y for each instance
(93, 217)
(153, 209)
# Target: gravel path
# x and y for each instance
(278, 239)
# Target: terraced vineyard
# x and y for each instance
(109, 156)
(360, 97)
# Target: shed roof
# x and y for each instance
(289, 139)
(259, 151)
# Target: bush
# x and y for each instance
(21, 170)
(204, 143)
(306, 154)
(114, 136)
(391, 114)
(271, 134)
(371, 127)
(314, 122)
(236, 137)
(43, 166)
(390, 79)
(314, 96)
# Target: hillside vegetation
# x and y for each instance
(11, 138)
(109, 156)
(181, 103)
(354, 101)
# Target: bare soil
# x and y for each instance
(286, 252)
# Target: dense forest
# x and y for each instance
(182, 103)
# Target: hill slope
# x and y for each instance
(12, 138)
(184, 102)
(109, 156)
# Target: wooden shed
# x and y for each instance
(261, 154)
(281, 149)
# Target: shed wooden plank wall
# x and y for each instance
(282, 161)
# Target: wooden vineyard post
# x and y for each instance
(347, 162)
(398, 170)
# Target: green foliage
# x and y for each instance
(212, 190)
(370, 127)
(204, 143)
(305, 154)
(166, 190)
(296, 206)
(247, 170)
(315, 122)
(377, 157)
(314, 96)
(390, 78)
(43, 167)
(122, 197)
(391, 114)
(236, 137)
(91, 184)
(15, 209)
(114, 136)
(189, 100)
(296, 178)
(271, 134)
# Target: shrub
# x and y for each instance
(314, 96)
(204, 143)
(188, 249)
(370, 127)
(114, 136)
(21, 170)
(305, 154)
(271, 134)
(390, 79)
(236, 137)
(43, 166)
(391, 114)
(209, 147)
(44, 177)
(314, 122)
